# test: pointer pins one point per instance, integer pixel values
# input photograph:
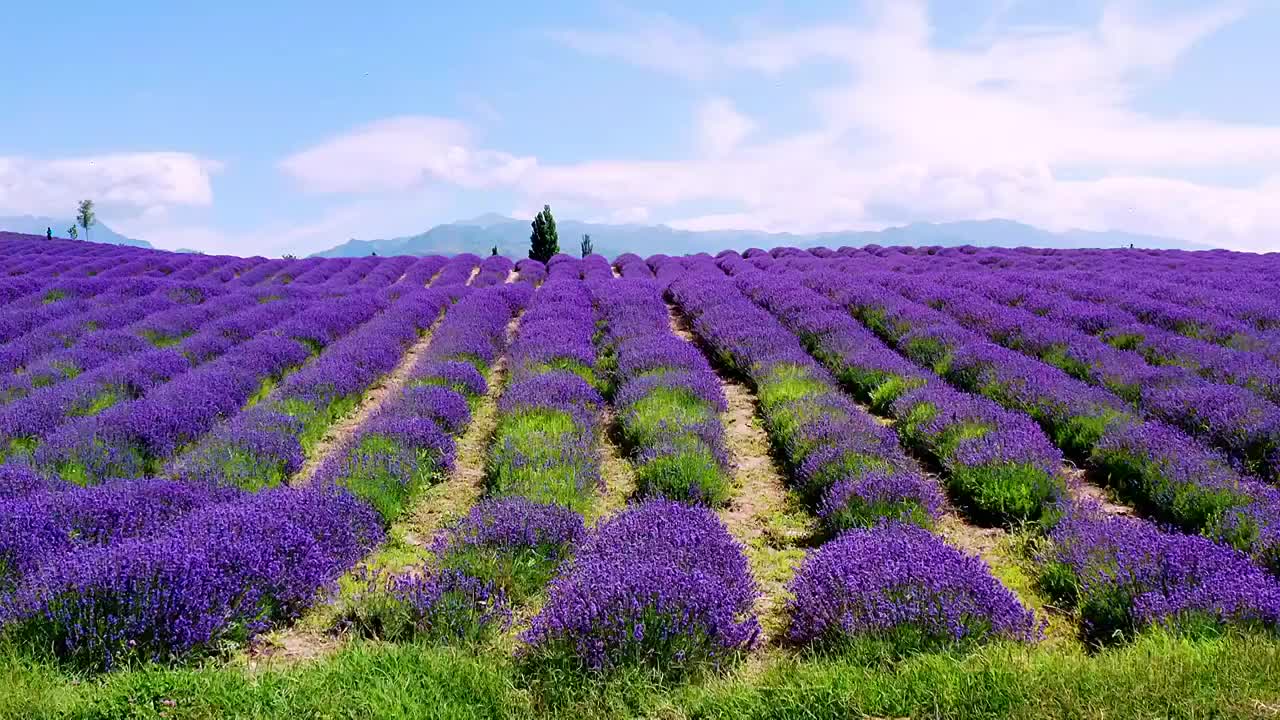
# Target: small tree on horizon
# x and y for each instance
(85, 216)
(543, 241)
(587, 247)
(72, 233)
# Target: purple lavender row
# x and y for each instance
(880, 579)
(998, 463)
(420, 272)
(531, 271)
(564, 267)
(457, 271)
(123, 366)
(841, 461)
(265, 444)
(1154, 465)
(596, 268)
(1201, 322)
(549, 414)
(631, 267)
(1124, 575)
(133, 438)
(1230, 417)
(163, 316)
(113, 311)
(666, 395)
(1179, 307)
(1121, 329)
(660, 585)
(56, 301)
(493, 271)
(159, 571)
(409, 441)
(928, 336)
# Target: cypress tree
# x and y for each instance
(543, 241)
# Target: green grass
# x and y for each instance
(1158, 675)
(529, 457)
(667, 416)
(267, 385)
(317, 420)
(162, 340)
(100, 402)
(379, 483)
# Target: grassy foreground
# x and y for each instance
(1156, 676)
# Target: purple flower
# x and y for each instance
(900, 582)
(661, 584)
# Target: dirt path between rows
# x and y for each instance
(618, 473)
(339, 433)
(761, 514)
(464, 485)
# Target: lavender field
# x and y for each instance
(941, 482)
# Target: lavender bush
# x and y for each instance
(899, 583)
(1124, 574)
(661, 585)
(511, 542)
(426, 605)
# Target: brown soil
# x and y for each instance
(619, 475)
(975, 540)
(1082, 489)
(291, 647)
(761, 514)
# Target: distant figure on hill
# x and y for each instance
(48, 233)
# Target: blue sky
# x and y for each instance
(278, 127)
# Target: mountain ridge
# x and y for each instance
(478, 235)
(38, 224)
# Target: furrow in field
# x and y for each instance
(1162, 471)
(849, 470)
(340, 431)
(464, 484)
(767, 519)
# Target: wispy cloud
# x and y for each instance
(1038, 124)
(130, 183)
(400, 154)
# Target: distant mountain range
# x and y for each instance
(35, 225)
(511, 237)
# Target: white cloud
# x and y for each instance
(657, 41)
(1003, 125)
(144, 182)
(1036, 124)
(402, 153)
(721, 128)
